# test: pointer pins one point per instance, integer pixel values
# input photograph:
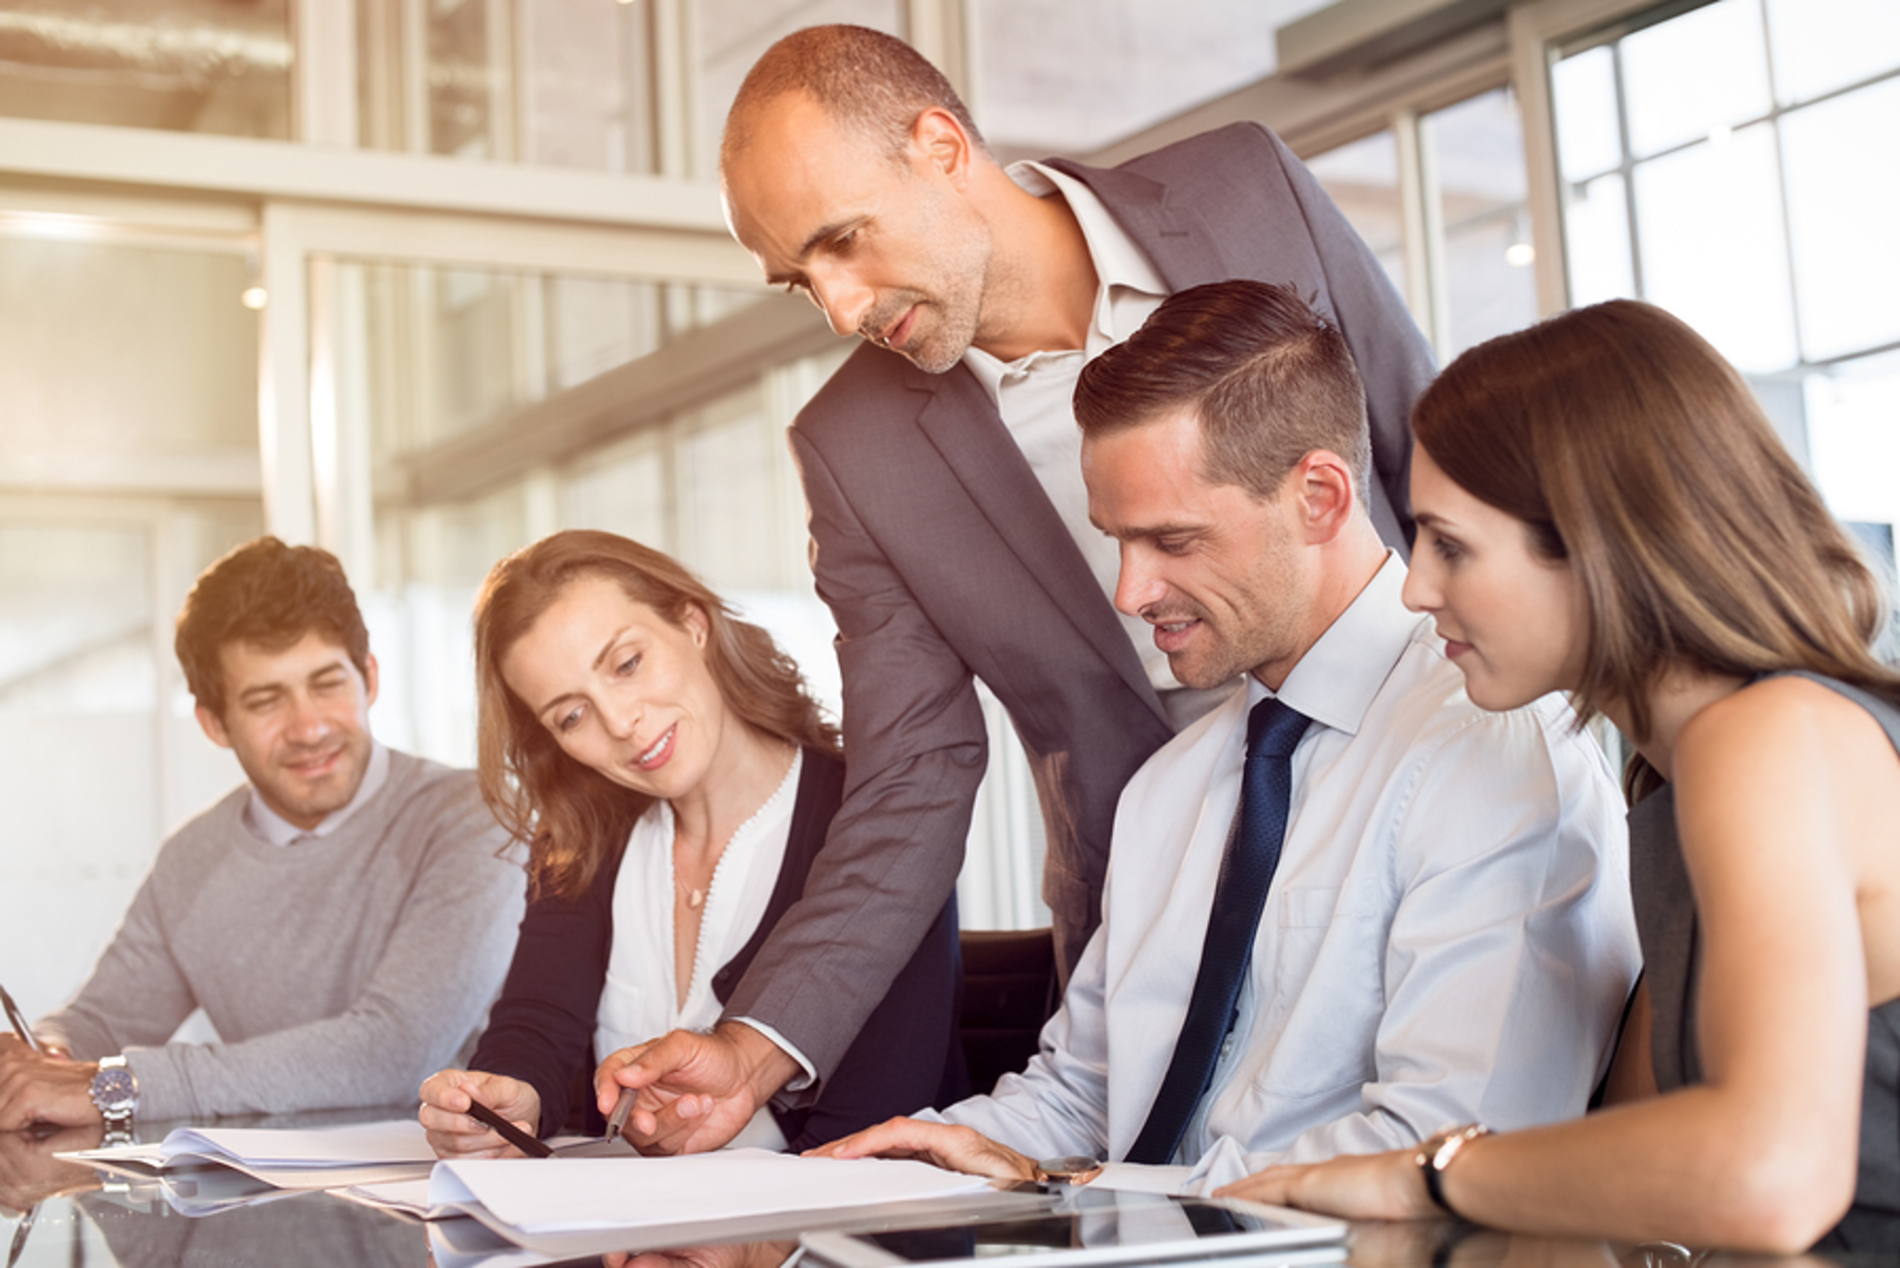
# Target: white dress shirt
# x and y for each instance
(1035, 393)
(1448, 938)
(640, 999)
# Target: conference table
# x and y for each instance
(54, 1212)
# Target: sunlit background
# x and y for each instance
(423, 280)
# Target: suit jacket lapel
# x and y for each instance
(963, 424)
(1176, 238)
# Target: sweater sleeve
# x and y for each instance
(438, 970)
(137, 993)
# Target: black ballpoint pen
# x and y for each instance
(509, 1132)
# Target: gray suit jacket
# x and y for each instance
(942, 559)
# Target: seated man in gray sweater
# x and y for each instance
(344, 920)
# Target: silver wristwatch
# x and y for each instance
(115, 1093)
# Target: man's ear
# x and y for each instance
(213, 727)
(939, 141)
(1327, 494)
(369, 678)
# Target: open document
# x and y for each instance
(560, 1204)
(306, 1158)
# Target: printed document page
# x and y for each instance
(531, 1200)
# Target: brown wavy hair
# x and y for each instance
(571, 816)
(1631, 448)
(269, 594)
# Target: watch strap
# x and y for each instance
(115, 1091)
(1437, 1154)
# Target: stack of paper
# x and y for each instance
(311, 1158)
(579, 1205)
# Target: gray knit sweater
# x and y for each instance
(338, 971)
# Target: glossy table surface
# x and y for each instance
(59, 1213)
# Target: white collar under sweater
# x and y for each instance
(267, 825)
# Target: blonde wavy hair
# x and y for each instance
(572, 817)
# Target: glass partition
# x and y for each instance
(111, 352)
(729, 35)
(100, 754)
(179, 65)
(1362, 178)
(1056, 77)
(1475, 164)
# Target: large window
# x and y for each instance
(128, 461)
(1734, 164)
(353, 312)
(1441, 198)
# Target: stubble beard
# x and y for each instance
(323, 799)
(1223, 657)
(942, 335)
(968, 262)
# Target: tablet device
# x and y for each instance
(1087, 1227)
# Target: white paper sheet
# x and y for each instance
(355, 1145)
(312, 1158)
(551, 1196)
(407, 1197)
(1136, 1177)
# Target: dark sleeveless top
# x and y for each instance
(1666, 925)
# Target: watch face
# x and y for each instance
(115, 1091)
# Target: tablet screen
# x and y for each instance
(1086, 1227)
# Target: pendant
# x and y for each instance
(694, 897)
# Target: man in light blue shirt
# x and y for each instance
(1447, 937)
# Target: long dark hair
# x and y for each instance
(1632, 449)
(571, 816)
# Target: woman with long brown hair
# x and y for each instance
(1603, 509)
(673, 781)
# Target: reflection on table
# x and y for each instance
(59, 1213)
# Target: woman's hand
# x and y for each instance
(940, 1144)
(1385, 1186)
(453, 1134)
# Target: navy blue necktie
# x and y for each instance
(1273, 729)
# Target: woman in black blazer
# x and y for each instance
(673, 782)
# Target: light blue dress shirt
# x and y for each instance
(1448, 938)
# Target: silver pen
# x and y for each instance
(20, 1028)
(622, 1108)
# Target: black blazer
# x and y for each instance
(907, 1056)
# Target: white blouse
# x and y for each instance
(638, 1001)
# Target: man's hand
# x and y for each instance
(42, 1089)
(941, 1144)
(696, 1091)
(29, 1172)
(446, 1095)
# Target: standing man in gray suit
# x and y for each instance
(949, 521)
